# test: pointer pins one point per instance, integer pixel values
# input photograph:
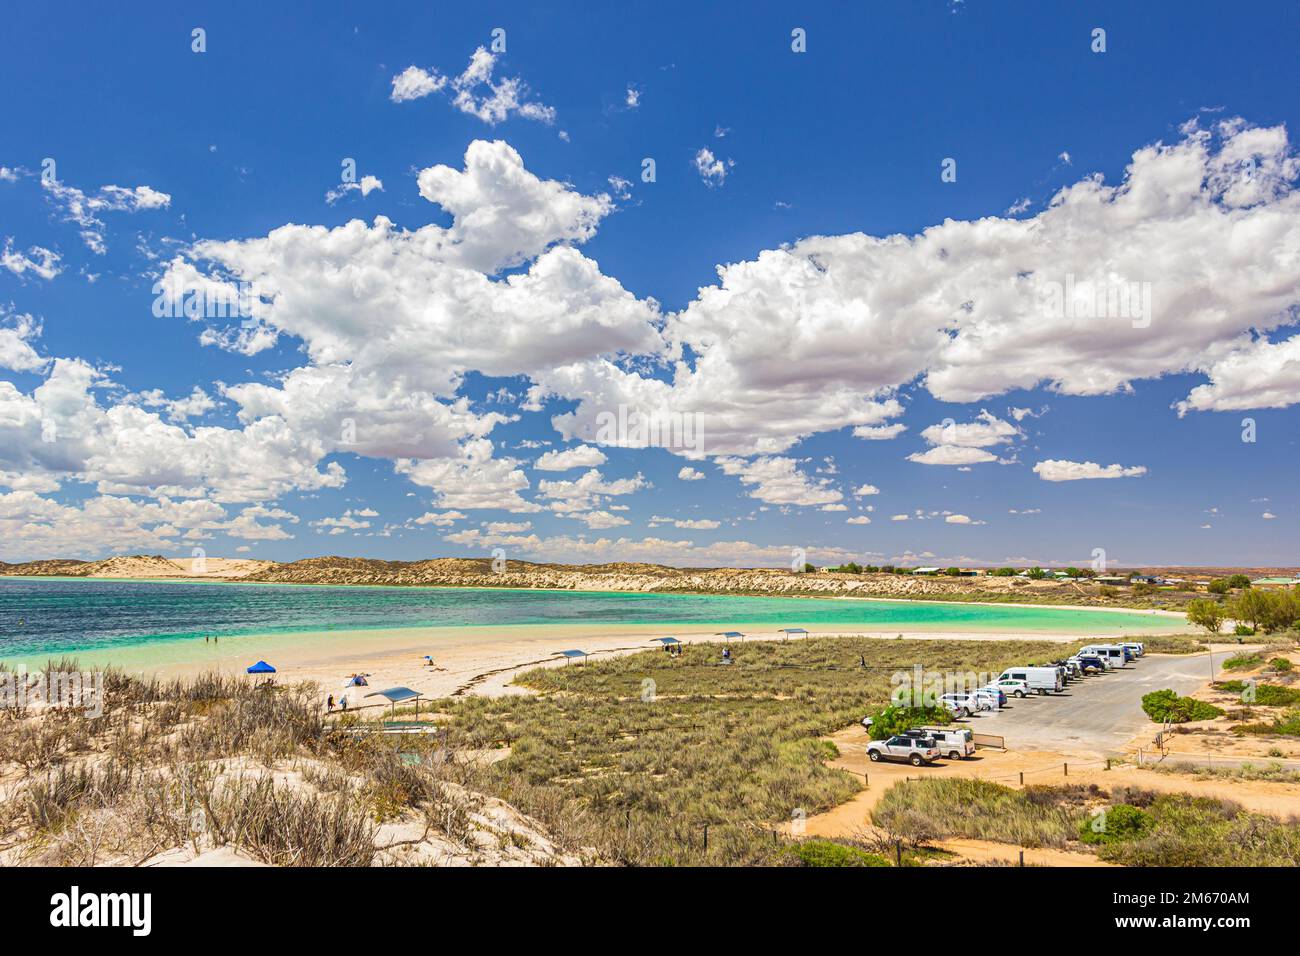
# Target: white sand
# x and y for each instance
(481, 660)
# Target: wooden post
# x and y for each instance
(1022, 857)
(1067, 769)
(898, 852)
(706, 838)
(1022, 778)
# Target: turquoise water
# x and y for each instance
(45, 616)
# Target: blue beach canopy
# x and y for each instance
(729, 634)
(666, 640)
(793, 630)
(572, 653)
(261, 667)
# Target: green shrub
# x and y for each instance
(1242, 662)
(1271, 695)
(1288, 725)
(827, 853)
(1199, 831)
(1243, 630)
(1266, 695)
(938, 807)
(1170, 644)
(1281, 665)
(1115, 825)
(895, 719)
(1166, 705)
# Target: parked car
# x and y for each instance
(1045, 680)
(914, 750)
(963, 705)
(1137, 647)
(1106, 662)
(953, 742)
(995, 696)
(1014, 688)
(1089, 663)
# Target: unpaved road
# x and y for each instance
(1099, 714)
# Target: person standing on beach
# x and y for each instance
(329, 704)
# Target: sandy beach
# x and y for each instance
(479, 660)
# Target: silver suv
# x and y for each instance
(915, 750)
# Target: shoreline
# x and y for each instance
(477, 659)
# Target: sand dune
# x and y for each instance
(141, 566)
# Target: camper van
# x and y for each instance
(955, 742)
(1041, 679)
(1114, 652)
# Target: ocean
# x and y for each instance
(42, 617)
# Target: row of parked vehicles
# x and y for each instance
(926, 744)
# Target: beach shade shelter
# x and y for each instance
(729, 634)
(398, 695)
(665, 641)
(261, 667)
(571, 655)
(787, 631)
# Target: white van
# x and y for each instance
(1137, 648)
(1112, 652)
(953, 742)
(1041, 679)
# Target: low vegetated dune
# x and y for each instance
(627, 576)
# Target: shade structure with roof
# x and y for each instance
(665, 641)
(261, 667)
(398, 695)
(574, 654)
(787, 631)
(729, 634)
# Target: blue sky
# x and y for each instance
(531, 272)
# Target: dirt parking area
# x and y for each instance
(1088, 736)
